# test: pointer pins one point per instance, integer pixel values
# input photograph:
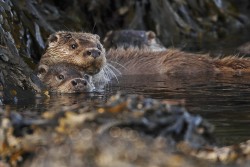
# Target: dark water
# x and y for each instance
(225, 103)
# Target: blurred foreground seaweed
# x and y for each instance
(129, 130)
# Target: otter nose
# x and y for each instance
(79, 82)
(94, 53)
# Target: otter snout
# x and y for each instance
(79, 82)
(81, 85)
(94, 53)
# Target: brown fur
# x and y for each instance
(234, 66)
(84, 50)
(176, 63)
(133, 61)
(63, 78)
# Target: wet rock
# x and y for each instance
(15, 73)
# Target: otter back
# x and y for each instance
(176, 63)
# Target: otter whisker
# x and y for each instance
(118, 64)
(112, 67)
(102, 77)
(112, 73)
(107, 74)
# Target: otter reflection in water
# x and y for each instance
(63, 78)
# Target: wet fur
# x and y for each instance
(50, 76)
(132, 38)
(176, 63)
(133, 61)
(59, 50)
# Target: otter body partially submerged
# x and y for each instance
(175, 63)
(85, 53)
(63, 78)
(133, 38)
(171, 62)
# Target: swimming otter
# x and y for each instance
(175, 63)
(63, 78)
(84, 50)
(171, 62)
(133, 38)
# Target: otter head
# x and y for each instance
(63, 78)
(133, 38)
(82, 50)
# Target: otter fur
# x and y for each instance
(64, 78)
(85, 52)
(176, 63)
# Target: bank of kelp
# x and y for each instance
(172, 20)
(15, 74)
(129, 130)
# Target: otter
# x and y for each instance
(84, 50)
(171, 62)
(133, 38)
(176, 63)
(63, 78)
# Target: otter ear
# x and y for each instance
(97, 37)
(151, 35)
(52, 39)
(107, 36)
(42, 70)
(109, 33)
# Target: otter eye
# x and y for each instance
(89, 53)
(73, 46)
(99, 47)
(60, 77)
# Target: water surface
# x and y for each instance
(224, 102)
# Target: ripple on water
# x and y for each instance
(225, 103)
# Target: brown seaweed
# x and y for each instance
(131, 129)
